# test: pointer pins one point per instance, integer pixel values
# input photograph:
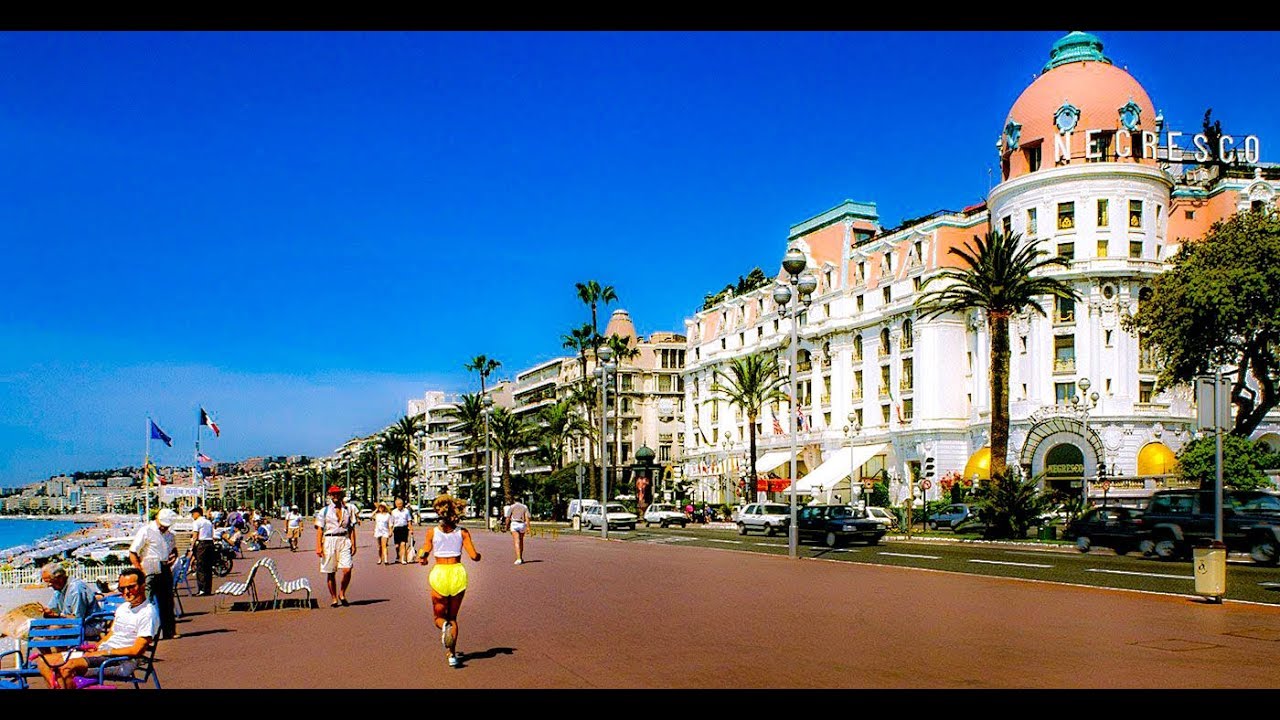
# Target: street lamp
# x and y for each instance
(487, 404)
(1084, 405)
(602, 371)
(851, 431)
(421, 436)
(727, 443)
(794, 264)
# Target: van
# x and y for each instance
(576, 506)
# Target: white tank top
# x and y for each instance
(445, 544)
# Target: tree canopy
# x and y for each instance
(1219, 306)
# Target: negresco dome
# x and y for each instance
(1078, 90)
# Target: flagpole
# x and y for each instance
(146, 466)
(195, 466)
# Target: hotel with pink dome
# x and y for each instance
(1088, 170)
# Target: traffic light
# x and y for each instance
(1102, 471)
(928, 470)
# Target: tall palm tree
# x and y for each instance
(582, 339)
(591, 293)
(622, 352)
(1001, 276)
(400, 446)
(470, 414)
(750, 383)
(483, 365)
(509, 433)
(559, 424)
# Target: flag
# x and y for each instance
(149, 472)
(206, 420)
(205, 459)
(158, 434)
(777, 426)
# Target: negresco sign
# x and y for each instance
(1145, 144)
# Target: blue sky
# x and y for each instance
(300, 231)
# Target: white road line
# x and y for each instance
(731, 542)
(766, 544)
(1269, 584)
(1140, 574)
(908, 555)
(1014, 564)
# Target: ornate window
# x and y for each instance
(1066, 117)
(1130, 116)
(1066, 216)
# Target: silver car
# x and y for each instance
(618, 517)
(769, 518)
(664, 515)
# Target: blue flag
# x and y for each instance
(158, 434)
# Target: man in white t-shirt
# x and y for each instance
(293, 527)
(202, 551)
(517, 518)
(154, 551)
(135, 627)
(336, 544)
(400, 521)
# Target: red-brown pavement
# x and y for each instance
(584, 613)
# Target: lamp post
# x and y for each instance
(851, 431)
(487, 404)
(1084, 405)
(727, 443)
(794, 264)
(602, 371)
(421, 436)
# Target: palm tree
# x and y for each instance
(622, 351)
(750, 383)
(471, 416)
(582, 339)
(509, 433)
(591, 293)
(1000, 276)
(559, 424)
(484, 366)
(399, 444)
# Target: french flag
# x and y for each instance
(206, 420)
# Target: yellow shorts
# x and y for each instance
(448, 580)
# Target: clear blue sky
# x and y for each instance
(300, 231)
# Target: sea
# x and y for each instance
(22, 532)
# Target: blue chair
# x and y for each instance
(44, 635)
(182, 574)
(111, 671)
(97, 623)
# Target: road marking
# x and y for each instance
(670, 540)
(908, 555)
(766, 544)
(1014, 564)
(1269, 584)
(1140, 574)
(731, 542)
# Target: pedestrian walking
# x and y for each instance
(448, 577)
(381, 530)
(202, 550)
(154, 552)
(336, 544)
(517, 516)
(401, 518)
(293, 527)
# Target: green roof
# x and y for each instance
(1076, 47)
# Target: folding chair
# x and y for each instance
(144, 670)
(44, 635)
(97, 624)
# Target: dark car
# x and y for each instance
(836, 525)
(1118, 528)
(951, 516)
(1178, 519)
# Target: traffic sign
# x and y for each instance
(926, 484)
(1106, 485)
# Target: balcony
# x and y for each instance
(857, 395)
(804, 366)
(1148, 362)
(1067, 318)
(884, 392)
(1064, 365)
(824, 399)
(905, 384)
(883, 352)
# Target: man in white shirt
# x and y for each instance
(134, 629)
(202, 550)
(336, 543)
(400, 520)
(293, 527)
(517, 518)
(154, 551)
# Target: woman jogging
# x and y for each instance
(448, 578)
(381, 530)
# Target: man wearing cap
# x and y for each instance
(154, 552)
(336, 543)
(202, 551)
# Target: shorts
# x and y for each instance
(517, 527)
(448, 580)
(118, 669)
(295, 532)
(337, 554)
(401, 533)
(381, 533)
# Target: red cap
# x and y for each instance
(335, 489)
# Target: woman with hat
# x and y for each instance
(336, 543)
(448, 578)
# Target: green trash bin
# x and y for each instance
(1048, 532)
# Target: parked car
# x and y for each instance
(427, 514)
(364, 514)
(836, 525)
(1118, 528)
(769, 518)
(1177, 519)
(664, 515)
(950, 516)
(616, 515)
(576, 506)
(883, 516)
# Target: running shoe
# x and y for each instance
(518, 562)
(454, 661)
(444, 635)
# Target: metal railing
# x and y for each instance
(1064, 366)
(30, 574)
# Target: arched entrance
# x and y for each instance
(1063, 467)
(1055, 432)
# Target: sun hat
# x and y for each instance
(335, 489)
(166, 517)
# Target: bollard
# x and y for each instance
(1210, 567)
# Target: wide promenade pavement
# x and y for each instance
(584, 613)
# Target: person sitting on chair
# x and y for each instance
(134, 629)
(72, 597)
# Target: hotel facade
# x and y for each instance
(1089, 171)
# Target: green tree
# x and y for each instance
(1243, 463)
(484, 366)
(1009, 508)
(509, 433)
(623, 353)
(592, 293)
(999, 275)
(1219, 307)
(470, 415)
(581, 339)
(399, 444)
(558, 424)
(748, 383)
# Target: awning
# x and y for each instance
(837, 467)
(771, 460)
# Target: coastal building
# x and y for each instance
(439, 411)
(1091, 171)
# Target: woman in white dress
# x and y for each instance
(382, 530)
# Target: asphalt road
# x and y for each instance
(658, 612)
(1246, 581)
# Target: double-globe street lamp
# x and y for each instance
(603, 371)
(794, 264)
(1084, 404)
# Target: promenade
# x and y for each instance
(583, 613)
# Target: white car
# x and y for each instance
(576, 506)
(664, 515)
(427, 515)
(884, 517)
(114, 549)
(769, 518)
(618, 517)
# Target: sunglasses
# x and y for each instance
(130, 586)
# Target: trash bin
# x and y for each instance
(1209, 564)
(1047, 532)
(577, 522)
